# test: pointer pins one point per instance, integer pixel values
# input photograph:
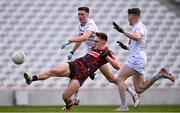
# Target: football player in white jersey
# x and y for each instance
(87, 30)
(137, 60)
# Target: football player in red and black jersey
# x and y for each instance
(79, 69)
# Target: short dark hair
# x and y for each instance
(135, 11)
(84, 8)
(102, 36)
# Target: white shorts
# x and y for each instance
(137, 63)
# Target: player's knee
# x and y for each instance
(139, 90)
(119, 80)
(121, 83)
(111, 80)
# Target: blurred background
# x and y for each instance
(39, 27)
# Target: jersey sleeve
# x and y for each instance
(140, 29)
(110, 53)
(90, 27)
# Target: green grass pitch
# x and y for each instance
(90, 109)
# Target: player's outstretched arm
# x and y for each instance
(83, 37)
(114, 62)
(135, 36)
(71, 53)
(117, 27)
(111, 59)
(66, 44)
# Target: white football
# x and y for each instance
(18, 57)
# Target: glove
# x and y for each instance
(92, 76)
(122, 45)
(70, 55)
(65, 44)
(117, 27)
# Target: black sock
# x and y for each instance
(34, 78)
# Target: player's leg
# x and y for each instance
(73, 86)
(164, 73)
(61, 70)
(134, 95)
(125, 72)
(76, 98)
(107, 72)
(140, 84)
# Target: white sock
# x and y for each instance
(131, 91)
(76, 96)
(158, 76)
(123, 104)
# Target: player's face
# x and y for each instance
(83, 16)
(130, 19)
(97, 43)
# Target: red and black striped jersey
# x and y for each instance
(92, 61)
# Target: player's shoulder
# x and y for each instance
(108, 50)
(90, 22)
(139, 25)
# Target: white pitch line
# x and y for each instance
(86, 112)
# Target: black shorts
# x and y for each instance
(78, 71)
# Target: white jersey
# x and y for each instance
(90, 25)
(137, 57)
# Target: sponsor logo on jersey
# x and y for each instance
(94, 54)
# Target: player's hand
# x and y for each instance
(70, 55)
(122, 45)
(117, 27)
(65, 44)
